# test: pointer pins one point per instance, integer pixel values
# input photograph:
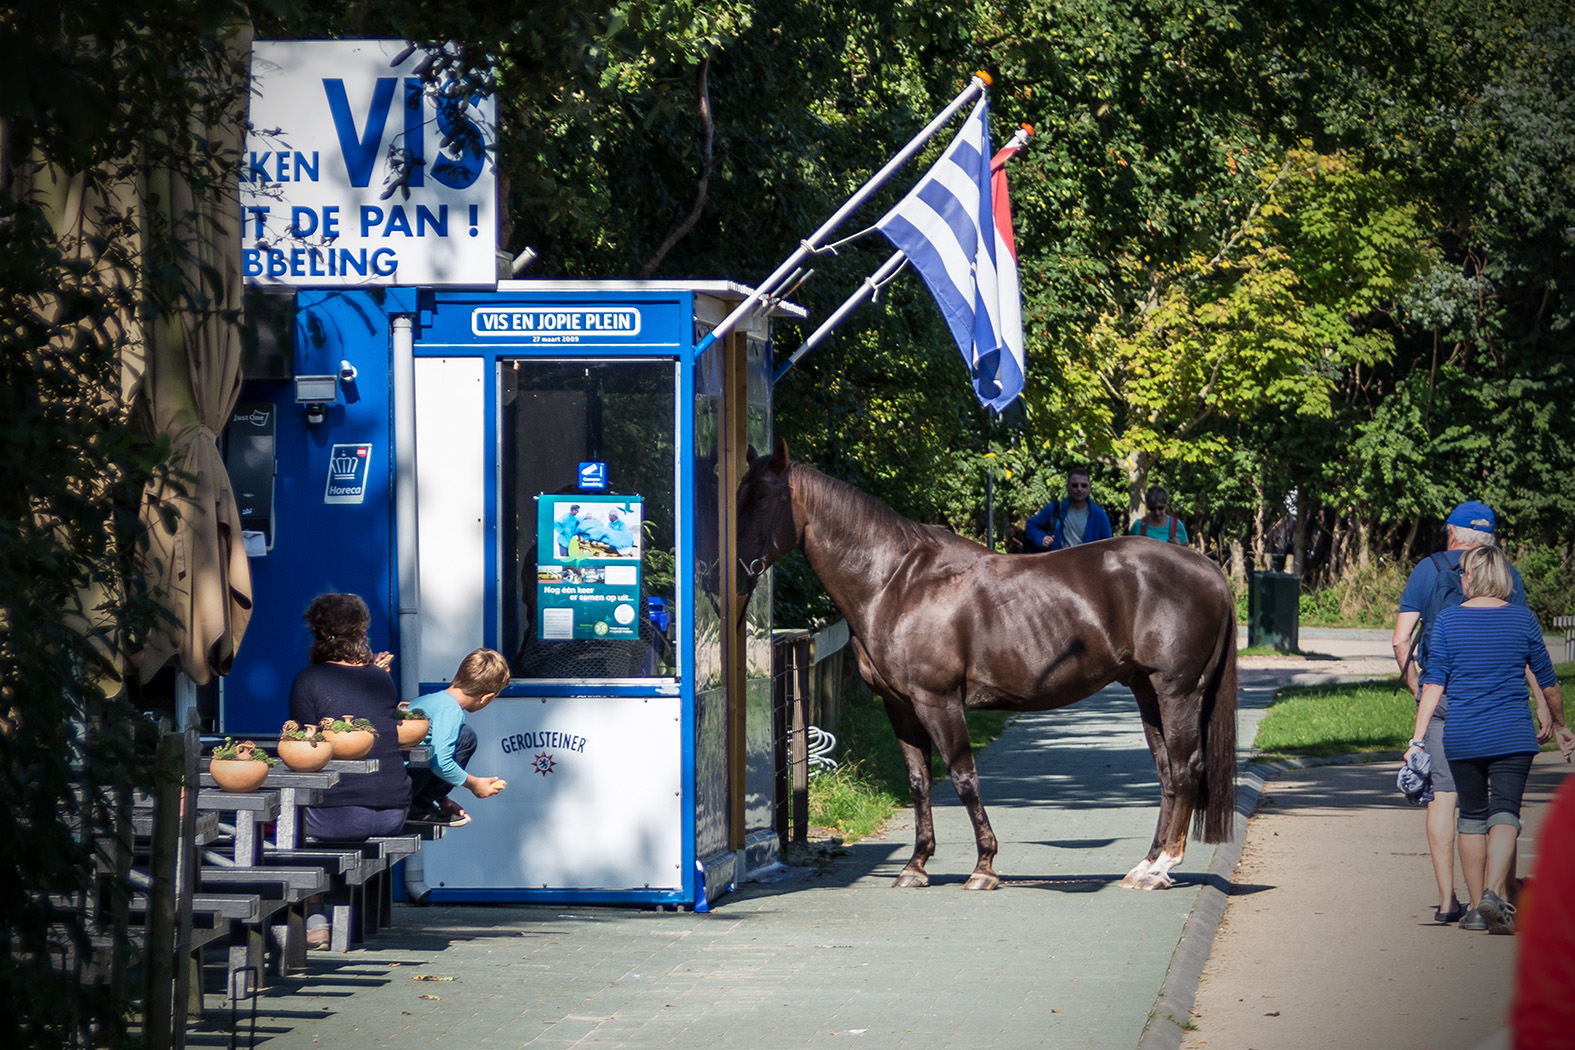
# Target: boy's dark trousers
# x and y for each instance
(426, 787)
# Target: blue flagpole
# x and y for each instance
(806, 248)
(866, 289)
(871, 284)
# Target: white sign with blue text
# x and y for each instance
(358, 172)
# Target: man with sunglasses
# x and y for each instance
(1066, 523)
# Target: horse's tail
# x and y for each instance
(1216, 816)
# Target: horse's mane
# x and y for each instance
(825, 496)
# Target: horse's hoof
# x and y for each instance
(1147, 881)
(909, 880)
(978, 881)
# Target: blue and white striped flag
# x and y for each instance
(946, 227)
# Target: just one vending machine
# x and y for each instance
(547, 469)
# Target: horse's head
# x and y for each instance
(767, 528)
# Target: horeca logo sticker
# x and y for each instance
(348, 466)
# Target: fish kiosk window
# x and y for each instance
(588, 578)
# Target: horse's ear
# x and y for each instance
(751, 455)
(779, 459)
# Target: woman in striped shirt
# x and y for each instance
(1478, 654)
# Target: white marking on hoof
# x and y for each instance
(1134, 878)
(1152, 874)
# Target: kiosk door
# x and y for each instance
(583, 519)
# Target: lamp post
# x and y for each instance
(989, 502)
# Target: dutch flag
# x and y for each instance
(955, 227)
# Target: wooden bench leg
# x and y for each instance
(247, 958)
(372, 914)
(289, 942)
(385, 896)
(341, 927)
(194, 1003)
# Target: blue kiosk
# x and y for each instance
(546, 469)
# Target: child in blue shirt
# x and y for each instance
(482, 673)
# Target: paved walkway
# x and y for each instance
(1328, 939)
(1060, 956)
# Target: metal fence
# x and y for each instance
(806, 694)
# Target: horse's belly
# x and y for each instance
(1044, 694)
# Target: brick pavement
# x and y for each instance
(1060, 956)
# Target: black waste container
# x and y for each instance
(1274, 610)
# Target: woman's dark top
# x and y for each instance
(333, 691)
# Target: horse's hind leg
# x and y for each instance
(915, 745)
(1178, 759)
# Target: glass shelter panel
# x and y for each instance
(710, 738)
(588, 573)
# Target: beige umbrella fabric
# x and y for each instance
(182, 372)
(190, 382)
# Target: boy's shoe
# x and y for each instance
(454, 816)
(1472, 920)
(444, 814)
(428, 815)
(1497, 913)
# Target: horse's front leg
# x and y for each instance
(948, 727)
(965, 779)
(915, 746)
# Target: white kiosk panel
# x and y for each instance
(593, 799)
(451, 482)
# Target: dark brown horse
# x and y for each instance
(941, 625)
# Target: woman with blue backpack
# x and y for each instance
(1158, 523)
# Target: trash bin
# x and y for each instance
(1274, 610)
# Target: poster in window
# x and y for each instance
(588, 567)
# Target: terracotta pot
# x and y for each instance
(238, 774)
(352, 744)
(413, 730)
(305, 756)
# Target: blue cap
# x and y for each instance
(1472, 515)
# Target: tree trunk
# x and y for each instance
(1338, 536)
(1299, 532)
(1409, 545)
(1137, 465)
(1238, 562)
(1258, 553)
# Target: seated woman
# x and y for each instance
(343, 679)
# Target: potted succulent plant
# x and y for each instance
(304, 748)
(239, 767)
(413, 725)
(350, 737)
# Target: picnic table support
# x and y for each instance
(167, 975)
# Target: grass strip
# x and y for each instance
(871, 782)
(1344, 719)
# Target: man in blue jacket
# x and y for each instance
(1076, 519)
